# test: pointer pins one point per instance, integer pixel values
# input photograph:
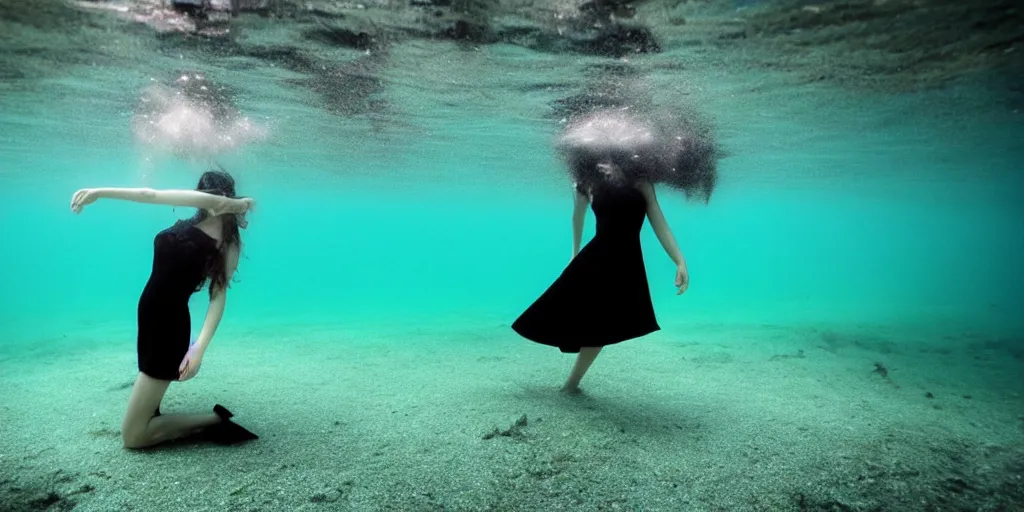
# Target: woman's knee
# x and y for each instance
(142, 407)
(134, 427)
(133, 435)
(132, 444)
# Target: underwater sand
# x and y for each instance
(712, 417)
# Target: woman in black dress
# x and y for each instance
(186, 255)
(602, 296)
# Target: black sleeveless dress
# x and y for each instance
(602, 296)
(180, 253)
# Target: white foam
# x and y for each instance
(169, 121)
(609, 130)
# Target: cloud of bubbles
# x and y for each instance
(673, 147)
(193, 119)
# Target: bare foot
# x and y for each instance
(571, 390)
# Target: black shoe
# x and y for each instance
(222, 412)
(227, 432)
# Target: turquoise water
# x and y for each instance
(872, 209)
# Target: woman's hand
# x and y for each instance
(83, 197)
(190, 364)
(243, 205)
(682, 279)
(234, 206)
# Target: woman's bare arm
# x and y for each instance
(218, 301)
(579, 214)
(215, 204)
(660, 225)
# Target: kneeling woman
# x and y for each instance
(186, 255)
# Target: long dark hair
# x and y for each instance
(221, 183)
(584, 168)
(682, 152)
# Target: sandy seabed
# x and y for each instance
(712, 418)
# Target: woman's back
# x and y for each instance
(180, 256)
(620, 210)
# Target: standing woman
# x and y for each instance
(602, 297)
(186, 255)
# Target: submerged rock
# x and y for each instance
(613, 85)
(353, 88)
(601, 28)
(895, 44)
(341, 36)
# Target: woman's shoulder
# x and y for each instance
(645, 187)
(176, 227)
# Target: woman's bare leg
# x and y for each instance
(583, 362)
(141, 426)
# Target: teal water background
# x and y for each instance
(832, 207)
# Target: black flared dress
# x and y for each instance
(180, 255)
(602, 297)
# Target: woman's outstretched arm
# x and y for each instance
(668, 241)
(215, 204)
(579, 214)
(214, 313)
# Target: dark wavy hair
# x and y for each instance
(584, 167)
(221, 183)
(683, 155)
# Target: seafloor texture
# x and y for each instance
(719, 418)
